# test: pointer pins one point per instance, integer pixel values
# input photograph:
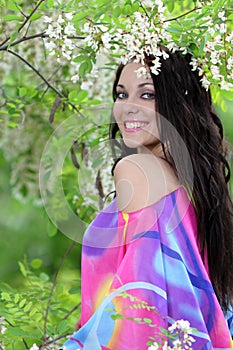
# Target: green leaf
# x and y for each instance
(36, 263)
(35, 16)
(147, 320)
(72, 95)
(117, 11)
(82, 95)
(80, 58)
(84, 68)
(22, 267)
(22, 91)
(62, 327)
(12, 38)
(10, 17)
(6, 296)
(33, 312)
(12, 6)
(50, 3)
(80, 15)
(28, 307)
(18, 332)
(74, 290)
(44, 277)
(16, 298)
(22, 303)
(117, 316)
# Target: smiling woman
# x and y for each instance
(160, 253)
(134, 108)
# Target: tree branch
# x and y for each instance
(59, 93)
(46, 343)
(25, 22)
(182, 15)
(29, 16)
(54, 285)
(71, 311)
(4, 46)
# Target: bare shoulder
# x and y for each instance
(141, 180)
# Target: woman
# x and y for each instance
(162, 250)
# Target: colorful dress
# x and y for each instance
(141, 271)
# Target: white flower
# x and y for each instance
(180, 325)
(221, 15)
(66, 53)
(225, 85)
(34, 347)
(69, 43)
(75, 78)
(50, 31)
(3, 329)
(215, 72)
(106, 38)
(60, 20)
(69, 16)
(155, 69)
(153, 347)
(194, 63)
(230, 63)
(86, 84)
(143, 72)
(50, 46)
(47, 19)
(149, 3)
(69, 29)
(229, 38)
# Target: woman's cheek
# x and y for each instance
(116, 112)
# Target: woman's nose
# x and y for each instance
(130, 108)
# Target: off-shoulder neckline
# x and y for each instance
(177, 189)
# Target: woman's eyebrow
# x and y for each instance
(139, 86)
(144, 84)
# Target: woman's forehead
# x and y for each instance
(130, 74)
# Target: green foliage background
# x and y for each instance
(30, 110)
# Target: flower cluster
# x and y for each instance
(145, 31)
(59, 31)
(182, 331)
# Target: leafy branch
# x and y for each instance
(25, 22)
(4, 46)
(54, 286)
(59, 93)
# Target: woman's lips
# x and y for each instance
(133, 125)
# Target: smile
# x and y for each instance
(134, 125)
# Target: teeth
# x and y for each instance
(134, 125)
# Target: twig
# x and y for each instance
(25, 22)
(71, 311)
(4, 46)
(25, 343)
(183, 14)
(60, 94)
(46, 343)
(54, 285)
(37, 72)
(29, 16)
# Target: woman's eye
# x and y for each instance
(121, 95)
(148, 96)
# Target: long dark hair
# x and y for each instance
(183, 102)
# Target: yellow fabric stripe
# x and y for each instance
(126, 218)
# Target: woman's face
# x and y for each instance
(135, 109)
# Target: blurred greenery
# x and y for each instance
(25, 229)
